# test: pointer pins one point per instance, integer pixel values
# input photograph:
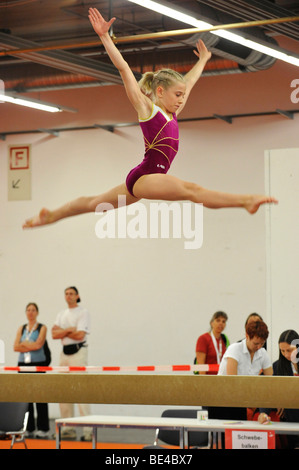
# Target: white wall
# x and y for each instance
(282, 176)
(149, 299)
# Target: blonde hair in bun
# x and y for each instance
(164, 77)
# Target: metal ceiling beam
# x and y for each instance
(227, 119)
(250, 10)
(112, 127)
(142, 37)
(105, 73)
(287, 114)
(62, 60)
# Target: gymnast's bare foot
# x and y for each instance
(43, 218)
(255, 201)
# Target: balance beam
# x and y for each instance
(174, 390)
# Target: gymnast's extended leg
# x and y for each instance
(81, 205)
(155, 186)
(168, 187)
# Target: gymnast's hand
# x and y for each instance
(100, 26)
(201, 51)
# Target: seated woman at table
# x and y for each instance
(247, 357)
(286, 365)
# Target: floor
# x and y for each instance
(107, 438)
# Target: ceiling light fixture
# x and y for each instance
(30, 103)
(35, 104)
(187, 19)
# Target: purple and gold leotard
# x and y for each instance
(161, 138)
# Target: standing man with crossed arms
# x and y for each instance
(71, 327)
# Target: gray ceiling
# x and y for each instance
(72, 56)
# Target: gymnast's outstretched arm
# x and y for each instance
(141, 103)
(195, 73)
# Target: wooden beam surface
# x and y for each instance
(146, 389)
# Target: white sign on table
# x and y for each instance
(245, 439)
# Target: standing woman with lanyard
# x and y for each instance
(211, 346)
(29, 342)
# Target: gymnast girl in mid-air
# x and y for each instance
(158, 98)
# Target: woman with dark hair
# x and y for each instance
(287, 365)
(252, 317)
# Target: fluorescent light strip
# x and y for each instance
(257, 47)
(167, 11)
(29, 104)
